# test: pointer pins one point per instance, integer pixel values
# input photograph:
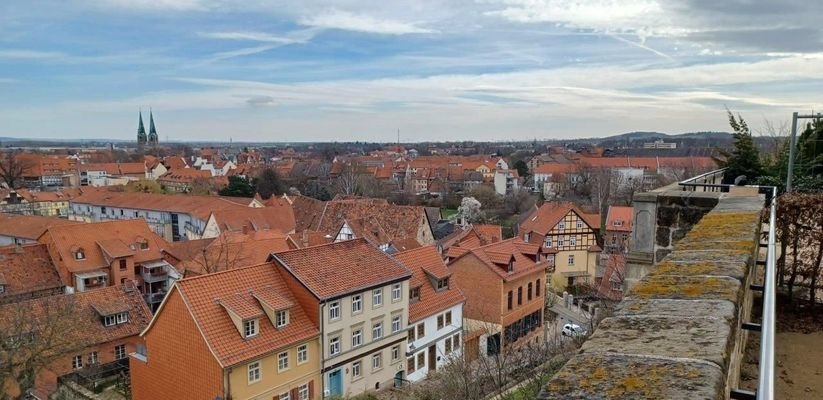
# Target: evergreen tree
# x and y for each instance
(268, 183)
(744, 159)
(238, 187)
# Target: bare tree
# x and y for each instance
(33, 335)
(517, 201)
(13, 167)
(227, 251)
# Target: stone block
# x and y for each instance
(690, 216)
(667, 216)
(613, 376)
(706, 200)
(701, 263)
(678, 234)
(661, 254)
(671, 336)
(662, 236)
(687, 288)
(717, 309)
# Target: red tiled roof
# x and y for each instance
(497, 255)
(27, 269)
(551, 213)
(28, 226)
(420, 262)
(198, 206)
(230, 250)
(229, 347)
(623, 215)
(275, 217)
(339, 268)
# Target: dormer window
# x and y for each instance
(116, 319)
(250, 328)
(414, 294)
(79, 254)
(526, 237)
(281, 318)
(442, 284)
(618, 222)
(510, 267)
(142, 243)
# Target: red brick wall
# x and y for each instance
(481, 286)
(180, 364)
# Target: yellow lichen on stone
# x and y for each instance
(699, 268)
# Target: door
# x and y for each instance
(432, 357)
(335, 383)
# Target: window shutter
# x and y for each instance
(311, 389)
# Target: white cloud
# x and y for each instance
(344, 20)
(152, 5)
(301, 36)
(23, 54)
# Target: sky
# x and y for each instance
(307, 70)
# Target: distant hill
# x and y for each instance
(650, 136)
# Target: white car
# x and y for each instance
(573, 330)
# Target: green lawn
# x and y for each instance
(448, 212)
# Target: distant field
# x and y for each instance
(448, 212)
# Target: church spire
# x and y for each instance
(141, 131)
(152, 129)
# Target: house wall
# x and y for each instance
(273, 382)
(434, 337)
(481, 287)
(159, 221)
(179, 364)
(364, 320)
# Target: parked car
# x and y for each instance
(573, 330)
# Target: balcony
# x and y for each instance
(154, 298)
(155, 275)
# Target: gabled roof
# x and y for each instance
(551, 213)
(622, 215)
(28, 226)
(339, 268)
(276, 217)
(198, 206)
(424, 262)
(27, 269)
(230, 250)
(238, 289)
(496, 257)
(96, 239)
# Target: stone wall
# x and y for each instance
(677, 334)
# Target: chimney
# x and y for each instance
(245, 229)
(305, 238)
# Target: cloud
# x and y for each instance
(156, 5)
(301, 36)
(344, 20)
(260, 100)
(23, 54)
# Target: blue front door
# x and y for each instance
(335, 383)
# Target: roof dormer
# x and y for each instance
(244, 312)
(274, 305)
(78, 253)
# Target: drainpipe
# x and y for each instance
(322, 351)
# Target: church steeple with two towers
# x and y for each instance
(141, 131)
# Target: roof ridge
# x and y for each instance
(222, 272)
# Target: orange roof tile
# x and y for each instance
(27, 269)
(338, 268)
(278, 217)
(230, 250)
(198, 206)
(496, 256)
(420, 262)
(620, 219)
(28, 226)
(551, 213)
(229, 347)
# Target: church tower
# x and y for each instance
(141, 131)
(152, 130)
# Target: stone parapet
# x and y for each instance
(677, 334)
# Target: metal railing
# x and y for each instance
(708, 182)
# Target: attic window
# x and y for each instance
(510, 268)
(414, 294)
(116, 319)
(618, 222)
(79, 254)
(579, 224)
(250, 328)
(442, 284)
(562, 225)
(281, 318)
(142, 243)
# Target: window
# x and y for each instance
(302, 353)
(625, 237)
(573, 241)
(93, 358)
(102, 210)
(377, 330)
(616, 286)
(396, 324)
(448, 317)
(284, 396)
(357, 337)
(396, 292)
(109, 320)
(122, 318)
(421, 359)
(529, 292)
(442, 283)
(510, 267)
(410, 366)
(144, 244)
(303, 392)
(560, 242)
(410, 335)
(376, 361)
(509, 302)
(520, 295)
(283, 361)
(356, 303)
(414, 294)
(120, 352)
(537, 288)
(526, 237)
(250, 328)
(123, 265)
(547, 242)
(77, 362)
(614, 239)
(562, 225)
(281, 318)
(355, 369)
(571, 259)
(254, 372)
(579, 224)
(550, 259)
(440, 322)
(334, 310)
(377, 297)
(448, 345)
(456, 341)
(79, 254)
(395, 353)
(421, 330)
(334, 345)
